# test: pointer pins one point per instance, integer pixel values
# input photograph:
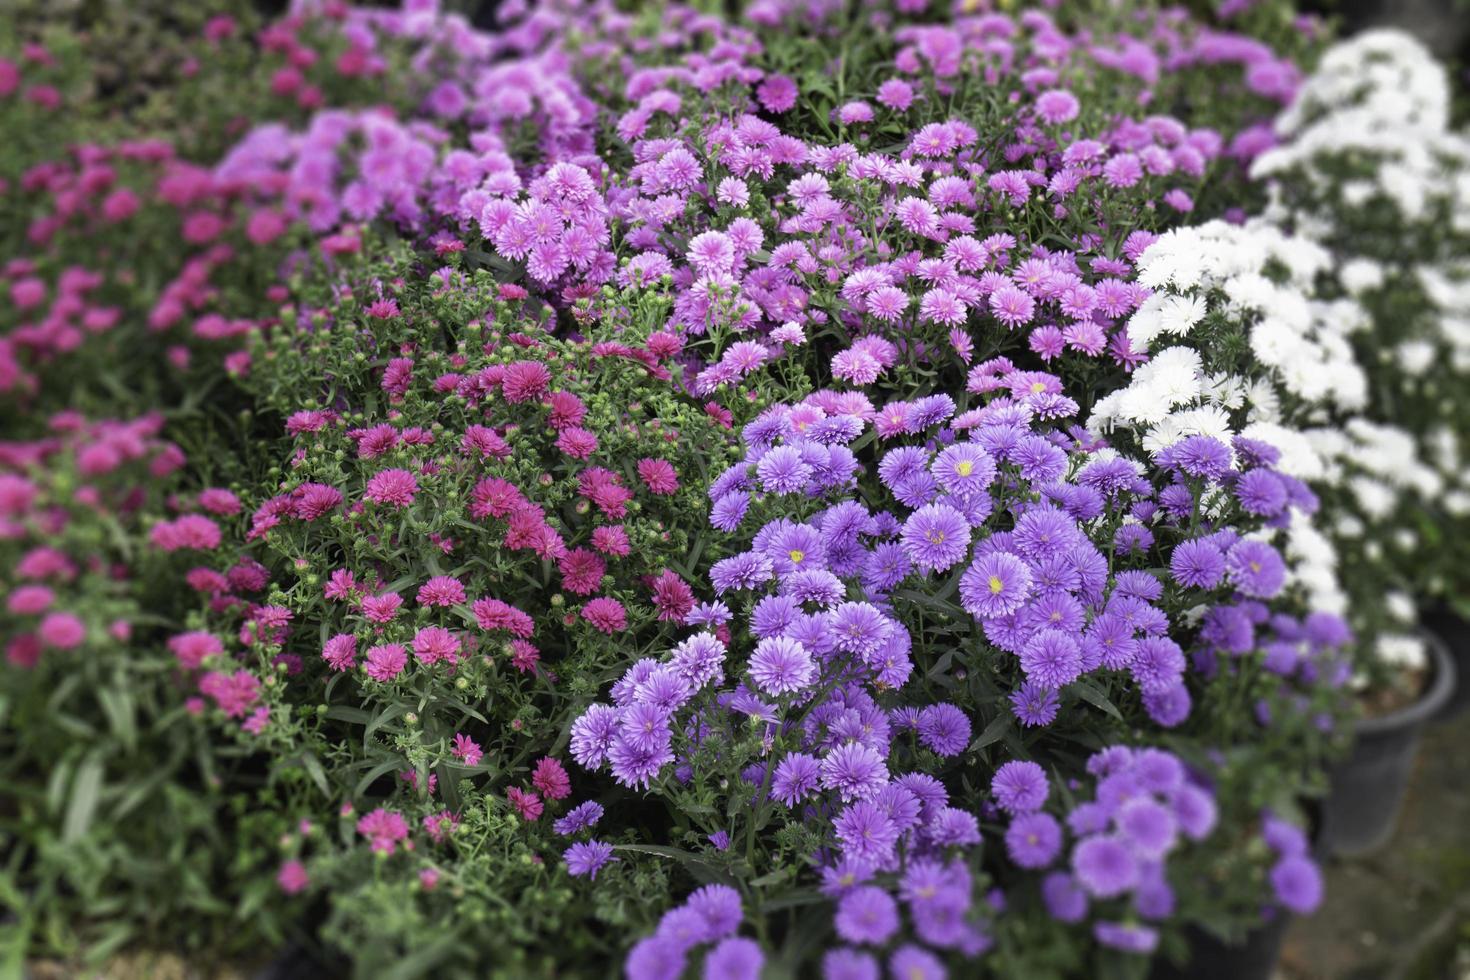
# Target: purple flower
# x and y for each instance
(963, 469)
(1285, 839)
(915, 963)
(1104, 866)
(1127, 936)
(579, 818)
(866, 915)
(1148, 827)
(1020, 787)
(846, 963)
(860, 629)
(1197, 564)
(867, 833)
(783, 470)
(944, 728)
(735, 958)
(1065, 900)
(935, 537)
(1197, 455)
(997, 584)
(1298, 884)
(1033, 840)
(1035, 704)
(1052, 658)
(797, 777)
(587, 858)
(1256, 569)
(854, 771)
(1057, 106)
(719, 906)
(1261, 492)
(781, 666)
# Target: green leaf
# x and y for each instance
(86, 788)
(1093, 696)
(994, 732)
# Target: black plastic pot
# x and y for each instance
(1212, 959)
(1368, 787)
(1454, 631)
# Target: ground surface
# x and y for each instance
(1403, 913)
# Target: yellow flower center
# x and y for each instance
(936, 536)
(796, 555)
(996, 585)
(964, 467)
(1037, 387)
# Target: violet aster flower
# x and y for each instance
(781, 666)
(783, 470)
(1057, 106)
(719, 906)
(797, 777)
(1064, 898)
(997, 584)
(866, 832)
(1297, 882)
(1052, 658)
(845, 963)
(1256, 569)
(935, 537)
(944, 728)
(1130, 937)
(579, 818)
(1197, 564)
(1020, 787)
(915, 963)
(1104, 866)
(854, 771)
(1148, 826)
(734, 958)
(1202, 456)
(1035, 704)
(1033, 840)
(963, 469)
(587, 858)
(866, 915)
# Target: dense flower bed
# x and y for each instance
(820, 490)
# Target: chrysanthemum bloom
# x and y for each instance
(587, 858)
(711, 252)
(896, 94)
(777, 93)
(1033, 840)
(1034, 704)
(193, 648)
(963, 469)
(782, 470)
(467, 750)
(1131, 937)
(672, 597)
(867, 914)
(659, 475)
(1012, 306)
(916, 963)
(1051, 658)
(384, 828)
(525, 381)
(1148, 826)
(1104, 866)
(1020, 787)
(605, 614)
(611, 540)
(734, 958)
(581, 571)
(395, 488)
(935, 537)
(442, 590)
(579, 818)
(386, 661)
(797, 777)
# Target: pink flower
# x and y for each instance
(777, 93)
(27, 600)
(581, 571)
(607, 615)
(393, 487)
(188, 531)
(435, 643)
(611, 540)
(659, 475)
(527, 803)
(382, 608)
(384, 828)
(576, 442)
(550, 777)
(524, 381)
(219, 501)
(672, 597)
(1057, 106)
(340, 652)
(234, 693)
(62, 631)
(292, 878)
(896, 94)
(440, 825)
(467, 750)
(442, 590)
(193, 648)
(386, 661)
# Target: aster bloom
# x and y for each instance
(1297, 883)
(393, 488)
(1104, 866)
(1020, 787)
(384, 828)
(935, 537)
(586, 858)
(1198, 564)
(995, 585)
(854, 771)
(866, 915)
(944, 728)
(781, 666)
(797, 777)
(1256, 569)
(386, 661)
(1033, 840)
(581, 817)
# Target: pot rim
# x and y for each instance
(1429, 703)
